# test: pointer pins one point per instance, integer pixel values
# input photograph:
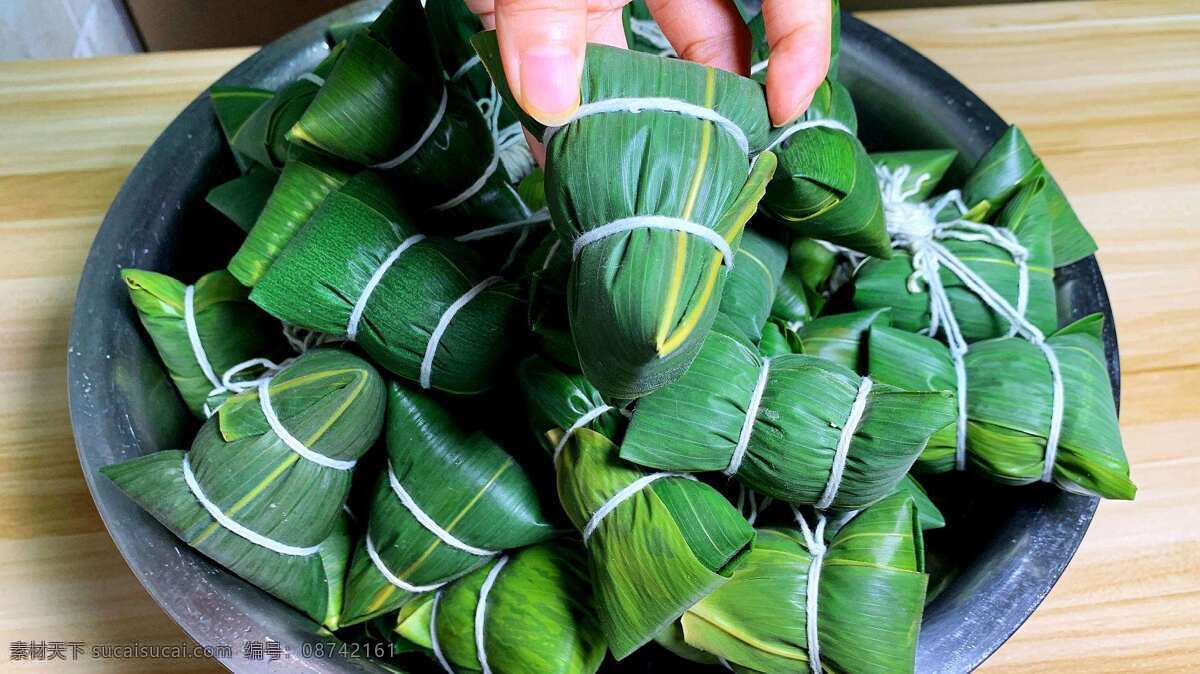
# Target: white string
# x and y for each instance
(481, 614)
(1056, 414)
(444, 322)
(620, 497)
(474, 187)
(914, 227)
(433, 638)
(814, 540)
(749, 496)
(314, 78)
(293, 443)
(537, 218)
(759, 67)
(193, 333)
(229, 524)
(465, 68)
(843, 446)
(360, 305)
(393, 578)
(655, 104)
(739, 451)
(231, 385)
(302, 340)
(655, 222)
(416, 146)
(428, 522)
(803, 126)
(587, 418)
(649, 30)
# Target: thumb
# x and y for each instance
(542, 45)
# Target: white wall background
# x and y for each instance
(65, 29)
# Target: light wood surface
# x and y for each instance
(1108, 93)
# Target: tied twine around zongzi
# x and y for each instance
(508, 143)
(636, 105)
(480, 621)
(841, 451)
(228, 383)
(435, 337)
(814, 540)
(914, 227)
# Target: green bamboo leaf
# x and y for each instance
(841, 338)
(557, 400)
(657, 552)
(321, 276)
(538, 615)
(641, 301)
(870, 598)
(261, 136)
(696, 423)
(462, 481)
(306, 179)
(332, 403)
(750, 289)
(1011, 164)
(1009, 403)
(229, 327)
(233, 106)
(778, 338)
(242, 199)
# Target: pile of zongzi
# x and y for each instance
(669, 393)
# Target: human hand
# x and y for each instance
(542, 46)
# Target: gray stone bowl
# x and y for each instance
(995, 571)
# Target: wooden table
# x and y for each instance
(1108, 92)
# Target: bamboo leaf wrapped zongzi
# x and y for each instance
(1010, 398)
(262, 489)
(652, 234)
(794, 427)
(532, 611)
(852, 603)
(567, 402)
(449, 500)
(420, 307)
(657, 542)
(202, 330)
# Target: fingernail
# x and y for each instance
(800, 108)
(549, 84)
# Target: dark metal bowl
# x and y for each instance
(994, 571)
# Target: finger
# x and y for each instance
(541, 46)
(705, 31)
(798, 33)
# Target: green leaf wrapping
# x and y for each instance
(694, 425)
(333, 403)
(841, 338)
(825, 186)
(233, 106)
(463, 481)
(779, 339)
(230, 327)
(319, 278)
(557, 400)
(306, 179)
(243, 198)
(1009, 165)
(886, 283)
(539, 616)
(657, 553)
(870, 598)
(261, 136)
(380, 100)
(1009, 402)
(751, 287)
(641, 301)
